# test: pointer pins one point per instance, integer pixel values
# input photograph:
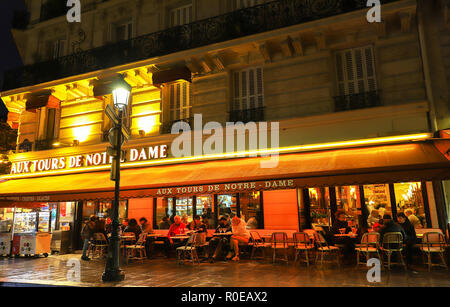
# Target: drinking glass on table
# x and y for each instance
(342, 231)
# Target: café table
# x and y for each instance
(224, 234)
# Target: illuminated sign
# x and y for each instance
(87, 160)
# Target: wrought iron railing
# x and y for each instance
(252, 20)
(43, 144)
(166, 127)
(249, 115)
(357, 101)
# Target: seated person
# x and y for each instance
(340, 223)
(252, 223)
(373, 218)
(164, 224)
(197, 225)
(134, 228)
(145, 225)
(240, 235)
(390, 226)
(414, 220)
(218, 244)
(176, 228)
(347, 242)
(205, 221)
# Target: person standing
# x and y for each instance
(86, 234)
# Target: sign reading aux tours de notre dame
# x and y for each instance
(87, 160)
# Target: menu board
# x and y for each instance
(25, 222)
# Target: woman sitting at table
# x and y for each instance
(240, 235)
(340, 223)
(177, 228)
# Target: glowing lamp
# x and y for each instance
(121, 94)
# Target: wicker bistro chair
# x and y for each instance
(189, 250)
(370, 244)
(323, 249)
(139, 247)
(280, 242)
(302, 245)
(98, 245)
(434, 243)
(393, 244)
(258, 244)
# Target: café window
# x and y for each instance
(377, 198)
(408, 196)
(164, 208)
(251, 211)
(184, 209)
(227, 204)
(248, 89)
(180, 97)
(105, 209)
(205, 208)
(319, 199)
(66, 215)
(347, 200)
(181, 15)
(356, 70)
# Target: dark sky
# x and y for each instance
(9, 55)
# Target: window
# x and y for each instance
(179, 100)
(59, 48)
(408, 196)
(356, 71)
(48, 128)
(377, 198)
(122, 31)
(248, 89)
(227, 204)
(251, 211)
(184, 209)
(181, 15)
(320, 206)
(347, 198)
(240, 4)
(204, 207)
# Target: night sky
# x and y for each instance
(9, 55)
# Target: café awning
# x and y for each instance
(367, 165)
(21, 204)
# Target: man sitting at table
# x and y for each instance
(219, 244)
(347, 243)
(197, 225)
(177, 228)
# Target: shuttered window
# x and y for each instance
(181, 15)
(240, 4)
(356, 71)
(59, 48)
(248, 89)
(180, 100)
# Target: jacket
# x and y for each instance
(88, 230)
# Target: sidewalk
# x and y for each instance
(167, 273)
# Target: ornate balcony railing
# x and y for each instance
(357, 101)
(166, 127)
(262, 18)
(43, 144)
(249, 115)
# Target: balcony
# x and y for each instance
(253, 20)
(357, 101)
(43, 144)
(167, 126)
(249, 115)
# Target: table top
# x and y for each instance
(351, 235)
(127, 238)
(182, 237)
(223, 234)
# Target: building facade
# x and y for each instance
(362, 108)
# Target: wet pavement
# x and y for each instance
(161, 272)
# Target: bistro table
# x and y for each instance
(224, 234)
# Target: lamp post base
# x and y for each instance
(113, 275)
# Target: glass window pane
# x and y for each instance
(227, 204)
(347, 201)
(6, 219)
(184, 209)
(408, 196)
(320, 206)
(205, 209)
(377, 202)
(250, 206)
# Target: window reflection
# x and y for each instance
(347, 201)
(320, 206)
(250, 206)
(409, 200)
(227, 204)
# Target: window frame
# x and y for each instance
(259, 101)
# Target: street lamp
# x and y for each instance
(121, 93)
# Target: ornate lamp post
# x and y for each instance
(121, 93)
